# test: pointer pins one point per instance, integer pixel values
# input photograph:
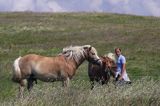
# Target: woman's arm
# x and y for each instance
(123, 71)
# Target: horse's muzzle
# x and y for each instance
(98, 62)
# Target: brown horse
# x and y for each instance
(49, 69)
(101, 73)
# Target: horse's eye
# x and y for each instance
(93, 53)
(64, 52)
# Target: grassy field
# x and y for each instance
(48, 33)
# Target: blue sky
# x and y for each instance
(137, 7)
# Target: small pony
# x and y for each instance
(49, 69)
(102, 73)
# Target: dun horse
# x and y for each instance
(49, 69)
(102, 73)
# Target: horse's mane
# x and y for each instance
(75, 52)
(111, 56)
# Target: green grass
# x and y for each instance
(47, 33)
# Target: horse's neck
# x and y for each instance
(80, 62)
(74, 62)
(77, 63)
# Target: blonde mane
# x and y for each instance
(75, 52)
(111, 56)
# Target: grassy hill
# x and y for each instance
(47, 33)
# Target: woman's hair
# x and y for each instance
(118, 49)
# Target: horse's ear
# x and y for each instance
(90, 48)
(68, 53)
(65, 52)
(85, 47)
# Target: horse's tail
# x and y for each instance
(16, 71)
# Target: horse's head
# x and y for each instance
(91, 55)
(109, 63)
(80, 53)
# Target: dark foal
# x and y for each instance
(101, 73)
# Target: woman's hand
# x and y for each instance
(120, 78)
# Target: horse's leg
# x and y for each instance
(102, 82)
(112, 73)
(92, 81)
(29, 84)
(107, 77)
(66, 82)
(92, 84)
(21, 88)
(35, 80)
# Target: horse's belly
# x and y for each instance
(48, 78)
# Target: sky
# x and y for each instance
(135, 7)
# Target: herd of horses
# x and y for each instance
(62, 67)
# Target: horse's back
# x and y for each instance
(34, 57)
(40, 59)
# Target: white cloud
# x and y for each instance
(23, 5)
(138, 7)
(46, 6)
(153, 7)
(96, 5)
(116, 2)
(54, 6)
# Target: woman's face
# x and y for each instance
(117, 52)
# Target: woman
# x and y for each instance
(121, 74)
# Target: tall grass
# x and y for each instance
(142, 92)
